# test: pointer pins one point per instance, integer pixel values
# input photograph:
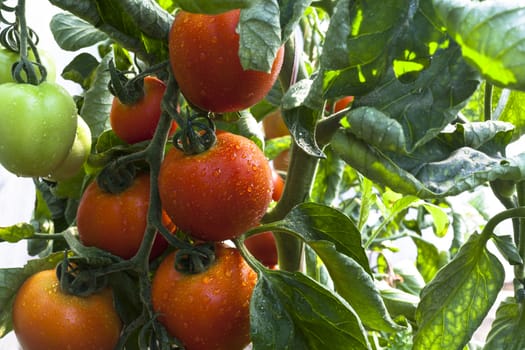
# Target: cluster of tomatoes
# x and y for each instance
(214, 196)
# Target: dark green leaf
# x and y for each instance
(213, 6)
(16, 232)
(72, 33)
(457, 300)
(328, 178)
(358, 45)
(260, 35)
(81, 69)
(301, 120)
(491, 37)
(507, 329)
(98, 99)
(334, 237)
(508, 249)
(291, 12)
(10, 281)
(291, 311)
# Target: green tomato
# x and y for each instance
(78, 154)
(8, 58)
(37, 127)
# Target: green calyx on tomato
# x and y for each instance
(220, 193)
(8, 58)
(204, 56)
(77, 155)
(37, 127)
(136, 109)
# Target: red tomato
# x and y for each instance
(116, 222)
(278, 185)
(205, 61)
(262, 246)
(44, 317)
(137, 122)
(220, 193)
(209, 310)
(340, 104)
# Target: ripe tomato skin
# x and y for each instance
(262, 246)
(340, 104)
(278, 185)
(204, 58)
(46, 318)
(209, 310)
(220, 193)
(38, 127)
(116, 222)
(137, 122)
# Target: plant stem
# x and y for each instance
(519, 270)
(301, 170)
(488, 101)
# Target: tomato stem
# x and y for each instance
(519, 270)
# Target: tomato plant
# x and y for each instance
(45, 317)
(384, 224)
(205, 62)
(116, 222)
(38, 127)
(220, 193)
(208, 310)
(137, 121)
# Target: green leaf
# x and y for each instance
(439, 218)
(337, 242)
(301, 120)
(247, 126)
(508, 249)
(274, 147)
(491, 37)
(72, 33)
(81, 69)
(10, 281)
(513, 112)
(507, 329)
(368, 198)
(260, 35)
(291, 12)
(212, 6)
(358, 45)
(456, 301)
(16, 232)
(98, 99)
(399, 302)
(291, 311)
(326, 188)
(428, 259)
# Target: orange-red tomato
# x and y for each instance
(204, 55)
(274, 126)
(278, 185)
(137, 122)
(116, 222)
(220, 193)
(262, 247)
(209, 310)
(44, 317)
(340, 104)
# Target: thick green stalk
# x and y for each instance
(301, 172)
(519, 270)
